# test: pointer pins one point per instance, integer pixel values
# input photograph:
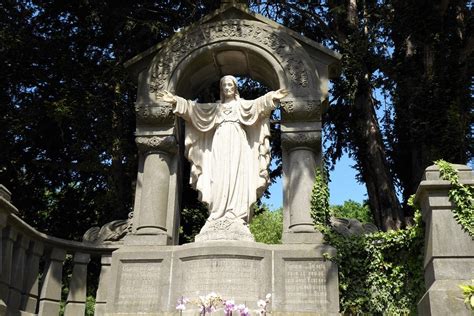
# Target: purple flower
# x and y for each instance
(243, 310)
(182, 303)
(229, 306)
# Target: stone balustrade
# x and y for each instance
(31, 268)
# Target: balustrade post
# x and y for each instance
(52, 281)
(8, 238)
(104, 281)
(29, 299)
(76, 299)
(3, 223)
(18, 272)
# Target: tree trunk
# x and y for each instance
(366, 135)
(373, 162)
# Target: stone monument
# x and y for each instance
(228, 148)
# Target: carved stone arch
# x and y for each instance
(237, 57)
(291, 63)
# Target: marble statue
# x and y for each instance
(228, 146)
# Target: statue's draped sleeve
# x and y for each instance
(255, 115)
(199, 122)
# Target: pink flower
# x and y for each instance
(182, 303)
(243, 310)
(229, 306)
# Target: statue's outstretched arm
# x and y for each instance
(279, 94)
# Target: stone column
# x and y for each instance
(30, 295)
(449, 251)
(104, 283)
(52, 282)
(76, 299)
(8, 239)
(18, 271)
(301, 150)
(156, 153)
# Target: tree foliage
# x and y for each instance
(352, 209)
(267, 227)
(430, 74)
(67, 114)
(411, 60)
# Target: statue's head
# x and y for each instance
(228, 87)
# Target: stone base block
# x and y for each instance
(225, 229)
(145, 240)
(149, 280)
(313, 237)
(444, 297)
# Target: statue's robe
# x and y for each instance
(229, 149)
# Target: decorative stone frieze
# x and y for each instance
(295, 110)
(149, 144)
(149, 114)
(309, 140)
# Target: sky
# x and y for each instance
(343, 186)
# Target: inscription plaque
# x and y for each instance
(139, 288)
(239, 278)
(305, 284)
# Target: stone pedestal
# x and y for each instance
(150, 279)
(155, 202)
(449, 251)
(301, 155)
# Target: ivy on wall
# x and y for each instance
(462, 196)
(379, 273)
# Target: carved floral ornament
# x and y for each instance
(152, 114)
(282, 47)
(301, 109)
(156, 143)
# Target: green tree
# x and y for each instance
(67, 116)
(352, 209)
(354, 28)
(431, 73)
(267, 227)
(419, 55)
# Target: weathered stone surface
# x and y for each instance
(444, 298)
(151, 279)
(139, 281)
(5, 193)
(225, 229)
(351, 226)
(449, 251)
